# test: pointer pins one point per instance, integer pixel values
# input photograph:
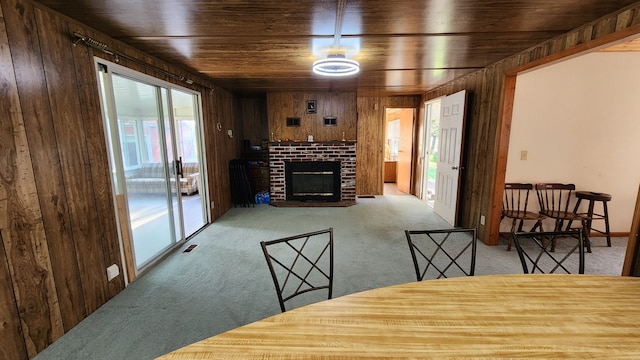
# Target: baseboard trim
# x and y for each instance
(592, 234)
(613, 234)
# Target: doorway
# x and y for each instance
(524, 154)
(398, 150)
(153, 131)
(575, 114)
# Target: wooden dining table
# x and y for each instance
(491, 316)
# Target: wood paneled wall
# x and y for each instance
(255, 127)
(220, 106)
(490, 98)
(58, 227)
(342, 105)
(361, 118)
(365, 122)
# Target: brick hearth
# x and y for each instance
(343, 151)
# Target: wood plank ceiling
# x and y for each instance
(403, 46)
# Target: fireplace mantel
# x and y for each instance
(342, 151)
(299, 143)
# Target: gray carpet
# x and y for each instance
(224, 282)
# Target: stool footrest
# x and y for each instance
(594, 216)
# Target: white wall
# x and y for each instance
(579, 121)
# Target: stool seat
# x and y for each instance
(592, 197)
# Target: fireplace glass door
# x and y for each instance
(313, 181)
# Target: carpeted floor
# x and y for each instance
(224, 282)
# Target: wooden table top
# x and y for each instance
(492, 316)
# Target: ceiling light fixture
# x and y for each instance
(336, 65)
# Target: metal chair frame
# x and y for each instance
(544, 242)
(317, 264)
(453, 259)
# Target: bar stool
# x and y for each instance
(592, 197)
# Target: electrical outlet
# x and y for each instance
(112, 272)
(523, 155)
(481, 219)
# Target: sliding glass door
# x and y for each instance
(185, 111)
(153, 130)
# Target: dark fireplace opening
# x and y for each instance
(312, 180)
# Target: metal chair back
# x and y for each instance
(443, 253)
(550, 252)
(300, 264)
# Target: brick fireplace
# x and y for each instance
(341, 151)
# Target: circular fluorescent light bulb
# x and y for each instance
(336, 65)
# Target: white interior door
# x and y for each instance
(452, 111)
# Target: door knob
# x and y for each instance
(454, 168)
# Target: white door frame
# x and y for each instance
(423, 157)
(122, 212)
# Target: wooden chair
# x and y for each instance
(514, 207)
(554, 200)
(534, 250)
(443, 253)
(300, 264)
